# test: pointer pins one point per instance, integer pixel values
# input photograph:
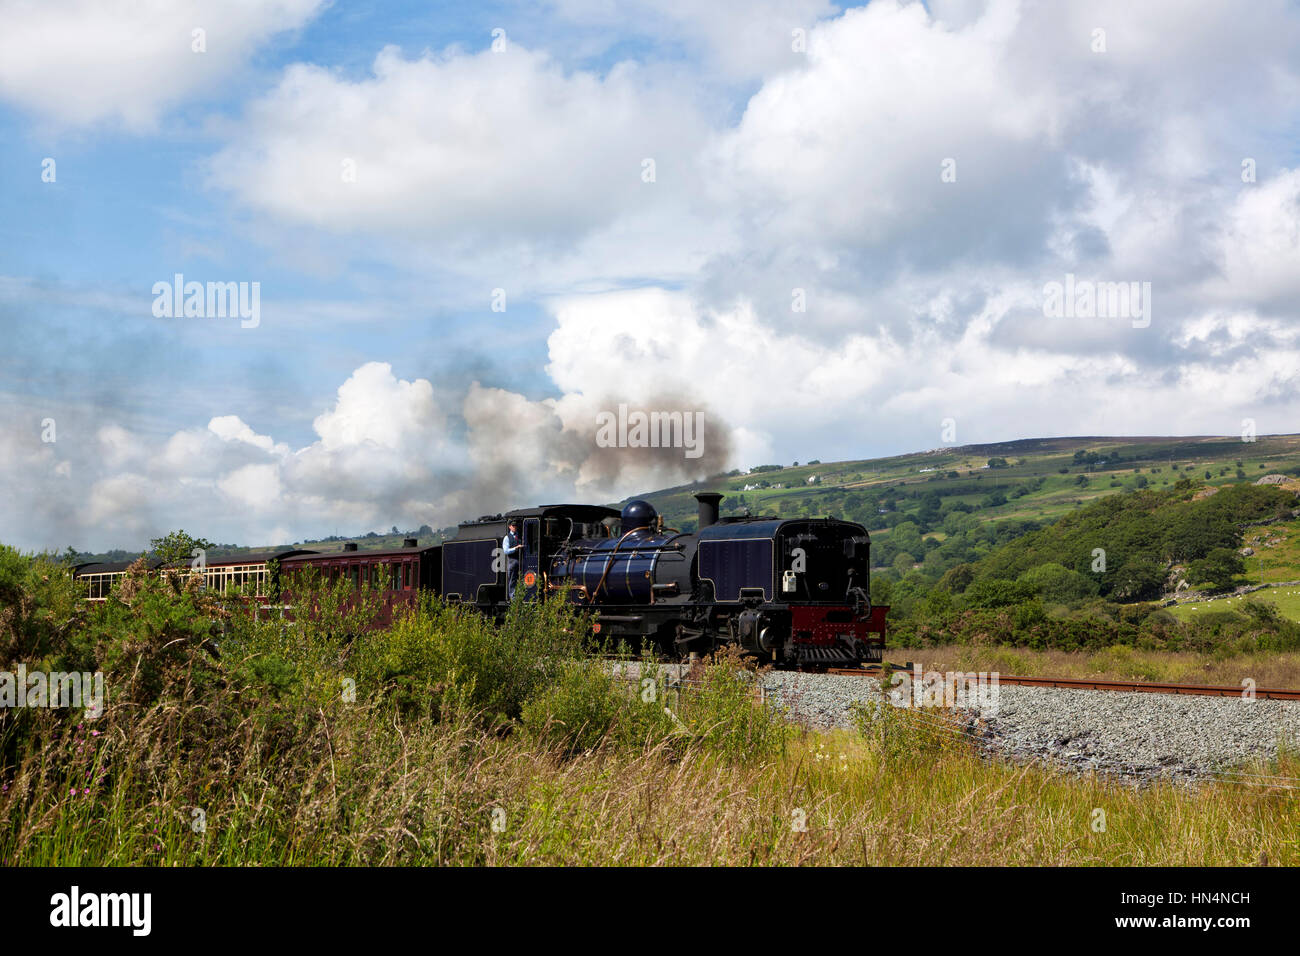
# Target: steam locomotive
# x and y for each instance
(794, 592)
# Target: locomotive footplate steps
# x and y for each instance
(819, 654)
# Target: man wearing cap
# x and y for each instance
(512, 546)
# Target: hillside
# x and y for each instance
(1152, 569)
(1037, 479)
(1014, 486)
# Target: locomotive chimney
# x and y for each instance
(349, 546)
(410, 542)
(708, 508)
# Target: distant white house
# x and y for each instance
(814, 480)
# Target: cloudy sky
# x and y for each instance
(475, 227)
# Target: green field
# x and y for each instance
(1287, 601)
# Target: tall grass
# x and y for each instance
(229, 740)
(452, 793)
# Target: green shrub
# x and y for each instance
(724, 714)
(466, 664)
(39, 603)
(1057, 584)
(577, 710)
(996, 593)
(587, 705)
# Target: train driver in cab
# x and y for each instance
(513, 547)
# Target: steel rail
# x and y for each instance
(1123, 686)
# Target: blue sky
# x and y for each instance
(853, 216)
(128, 210)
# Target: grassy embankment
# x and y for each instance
(443, 741)
(1117, 662)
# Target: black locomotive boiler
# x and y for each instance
(792, 591)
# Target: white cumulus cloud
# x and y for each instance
(80, 62)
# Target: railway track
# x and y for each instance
(1089, 683)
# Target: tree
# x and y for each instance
(957, 579)
(903, 562)
(882, 590)
(1138, 579)
(1218, 568)
(906, 536)
(1057, 584)
(928, 514)
(176, 548)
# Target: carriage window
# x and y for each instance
(356, 575)
(530, 535)
(406, 575)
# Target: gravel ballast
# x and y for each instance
(1136, 735)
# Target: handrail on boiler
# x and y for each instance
(609, 562)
